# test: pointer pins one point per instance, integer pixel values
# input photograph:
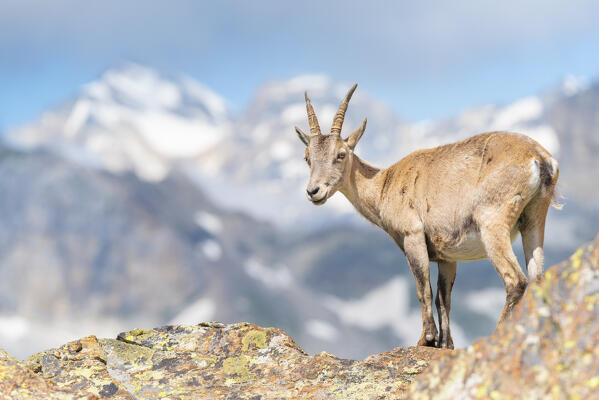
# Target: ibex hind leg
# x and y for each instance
(447, 271)
(532, 229)
(496, 239)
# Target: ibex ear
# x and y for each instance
(354, 137)
(302, 136)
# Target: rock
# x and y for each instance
(78, 368)
(548, 350)
(17, 381)
(214, 361)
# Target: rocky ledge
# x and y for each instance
(207, 361)
(548, 350)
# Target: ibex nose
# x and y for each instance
(313, 191)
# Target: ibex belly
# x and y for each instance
(470, 247)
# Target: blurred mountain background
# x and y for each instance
(144, 199)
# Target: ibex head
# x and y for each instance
(329, 156)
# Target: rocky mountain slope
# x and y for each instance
(546, 351)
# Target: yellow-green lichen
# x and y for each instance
(138, 332)
(368, 390)
(256, 338)
(237, 368)
(132, 355)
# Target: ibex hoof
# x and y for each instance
(428, 340)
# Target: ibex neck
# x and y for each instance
(362, 189)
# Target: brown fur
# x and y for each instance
(458, 202)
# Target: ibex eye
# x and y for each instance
(340, 156)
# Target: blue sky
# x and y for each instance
(426, 59)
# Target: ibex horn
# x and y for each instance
(340, 116)
(312, 120)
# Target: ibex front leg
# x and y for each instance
(415, 249)
(445, 281)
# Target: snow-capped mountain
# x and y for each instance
(135, 119)
(132, 119)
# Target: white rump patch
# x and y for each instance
(535, 174)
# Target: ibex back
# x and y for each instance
(459, 202)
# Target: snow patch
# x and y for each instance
(209, 222)
(77, 118)
(294, 113)
(177, 137)
(202, 310)
(21, 336)
(378, 308)
(574, 84)
(340, 204)
(546, 136)
(211, 249)
(306, 83)
(387, 306)
(488, 301)
(476, 117)
(281, 150)
(143, 86)
(275, 278)
(13, 327)
(294, 169)
(321, 330)
(526, 109)
(216, 104)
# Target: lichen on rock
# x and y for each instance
(548, 350)
(216, 361)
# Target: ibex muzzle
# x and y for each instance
(458, 202)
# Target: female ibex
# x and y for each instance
(459, 202)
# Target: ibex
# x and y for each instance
(458, 202)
